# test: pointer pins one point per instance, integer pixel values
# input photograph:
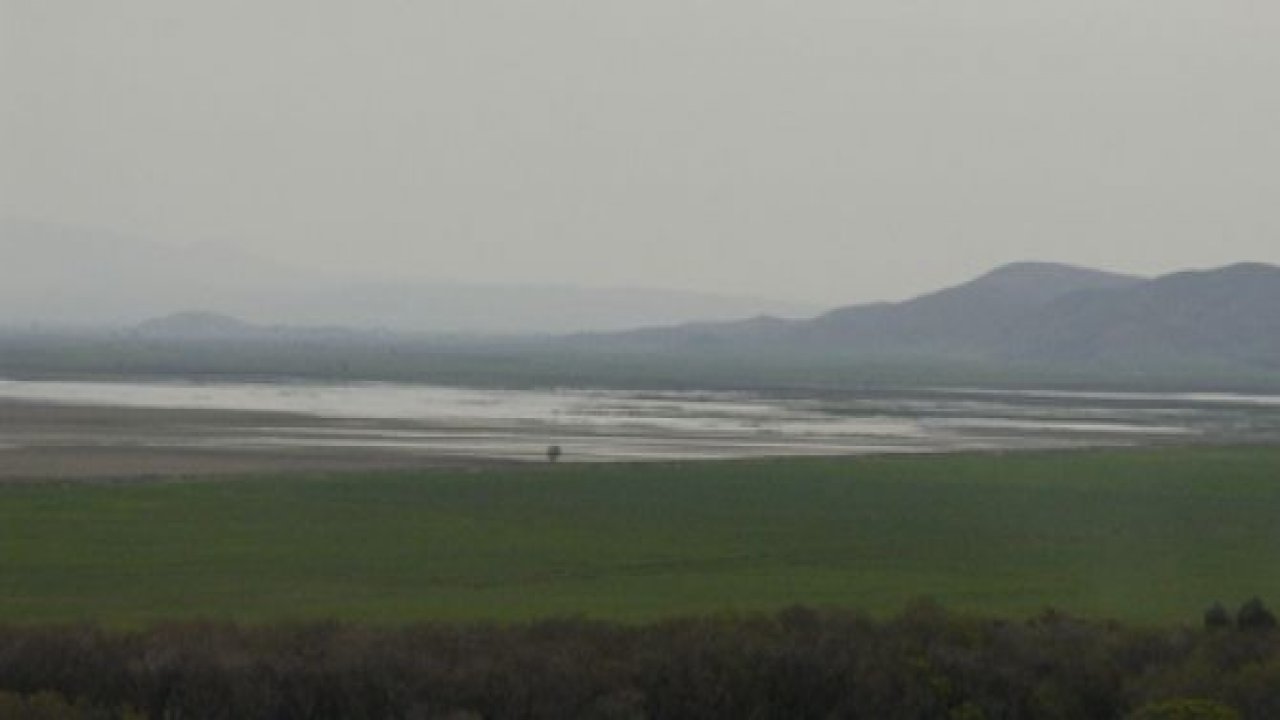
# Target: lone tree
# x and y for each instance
(1254, 615)
(553, 453)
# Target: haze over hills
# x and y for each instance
(1028, 313)
(1227, 315)
(967, 318)
(67, 276)
(207, 327)
(195, 324)
(1045, 317)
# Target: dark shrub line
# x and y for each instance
(799, 663)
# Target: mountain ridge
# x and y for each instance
(1031, 313)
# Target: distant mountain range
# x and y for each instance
(1039, 314)
(1026, 314)
(1222, 323)
(68, 276)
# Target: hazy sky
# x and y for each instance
(828, 150)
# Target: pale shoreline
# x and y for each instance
(60, 456)
(53, 441)
(95, 431)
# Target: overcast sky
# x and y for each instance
(825, 150)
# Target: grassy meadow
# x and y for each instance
(1148, 536)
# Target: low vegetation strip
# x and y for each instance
(922, 663)
(1144, 536)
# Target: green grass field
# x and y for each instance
(1146, 536)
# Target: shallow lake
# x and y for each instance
(614, 425)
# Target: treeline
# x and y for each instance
(799, 663)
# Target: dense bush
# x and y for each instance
(1254, 615)
(800, 663)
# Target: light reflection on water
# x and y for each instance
(1200, 398)
(614, 424)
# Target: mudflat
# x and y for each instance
(48, 441)
(75, 430)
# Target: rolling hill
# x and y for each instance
(1032, 314)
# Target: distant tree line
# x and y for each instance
(798, 663)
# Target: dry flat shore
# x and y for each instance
(45, 441)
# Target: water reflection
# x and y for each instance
(609, 424)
